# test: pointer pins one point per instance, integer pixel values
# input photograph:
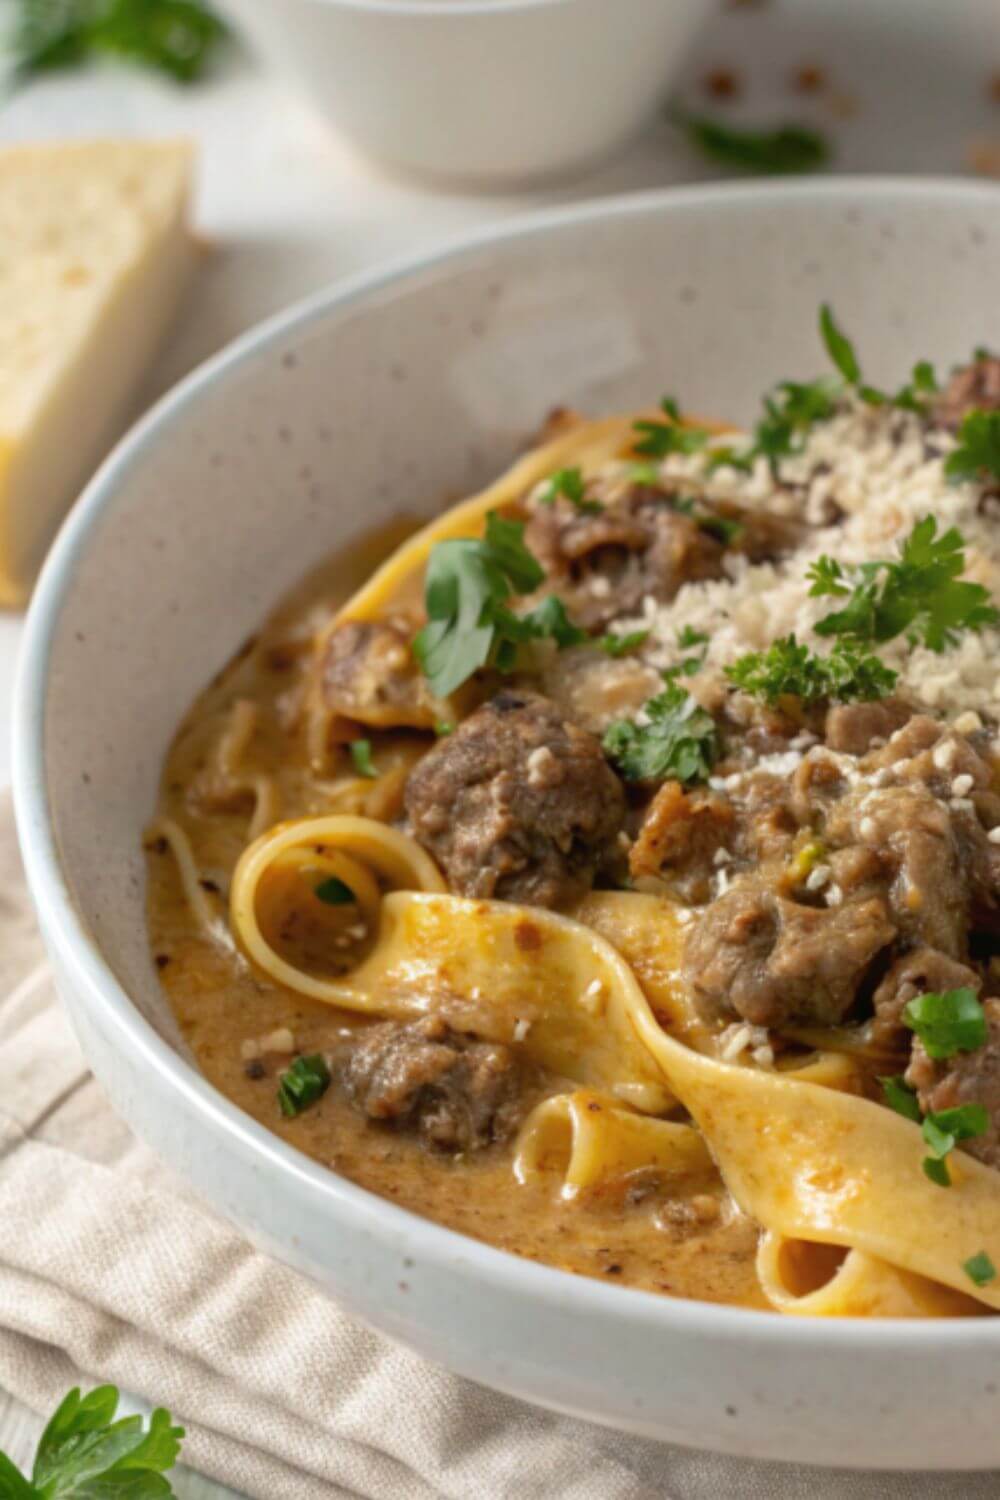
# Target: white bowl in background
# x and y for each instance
(485, 93)
(391, 392)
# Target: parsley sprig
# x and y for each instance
(789, 668)
(570, 484)
(921, 594)
(656, 439)
(302, 1084)
(980, 1269)
(978, 450)
(176, 37)
(84, 1454)
(942, 1130)
(469, 581)
(771, 152)
(678, 741)
(948, 1022)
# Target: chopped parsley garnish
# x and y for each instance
(900, 1097)
(838, 346)
(302, 1084)
(942, 1132)
(443, 727)
(688, 638)
(980, 1269)
(790, 669)
(621, 645)
(946, 1023)
(176, 37)
(919, 390)
(361, 755)
(85, 1453)
(921, 594)
(334, 892)
(469, 581)
(721, 528)
(776, 152)
(658, 439)
(978, 451)
(678, 742)
(569, 483)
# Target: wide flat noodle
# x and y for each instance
(591, 1141)
(817, 1164)
(813, 1280)
(396, 584)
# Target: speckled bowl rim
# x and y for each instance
(96, 984)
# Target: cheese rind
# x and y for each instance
(94, 257)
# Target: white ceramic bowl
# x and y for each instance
(394, 391)
(488, 93)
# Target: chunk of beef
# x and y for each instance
(605, 564)
(748, 723)
(680, 836)
(920, 972)
(593, 689)
(910, 833)
(974, 387)
(967, 1078)
(850, 728)
(518, 804)
(758, 955)
(367, 672)
(457, 1093)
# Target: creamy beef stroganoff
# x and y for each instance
(611, 869)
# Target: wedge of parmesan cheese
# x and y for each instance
(94, 257)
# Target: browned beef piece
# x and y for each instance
(764, 728)
(851, 727)
(758, 955)
(920, 972)
(680, 835)
(368, 673)
(459, 1094)
(604, 565)
(593, 689)
(518, 804)
(910, 834)
(927, 751)
(975, 386)
(966, 1078)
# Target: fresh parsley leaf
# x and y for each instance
(570, 484)
(468, 581)
(775, 152)
(946, 1023)
(658, 439)
(688, 638)
(790, 669)
(980, 1269)
(84, 1454)
(839, 346)
(443, 727)
(900, 1097)
(334, 892)
(942, 1132)
(937, 1171)
(727, 456)
(361, 755)
(978, 451)
(549, 619)
(621, 645)
(919, 390)
(302, 1084)
(920, 594)
(176, 37)
(644, 473)
(679, 741)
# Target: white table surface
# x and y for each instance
(288, 208)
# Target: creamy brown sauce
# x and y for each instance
(691, 1242)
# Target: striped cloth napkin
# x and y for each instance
(111, 1271)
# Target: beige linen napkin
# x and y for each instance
(109, 1270)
